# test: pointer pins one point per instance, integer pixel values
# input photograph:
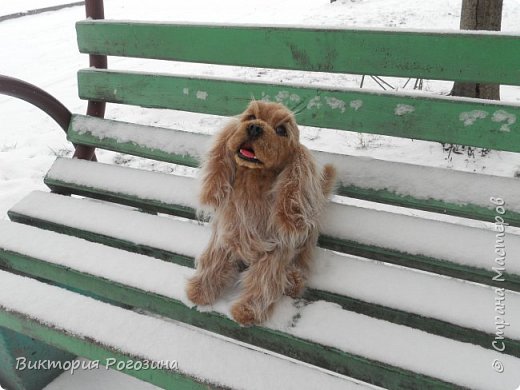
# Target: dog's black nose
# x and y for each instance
(254, 131)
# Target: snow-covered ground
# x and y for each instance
(41, 49)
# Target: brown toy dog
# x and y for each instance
(267, 194)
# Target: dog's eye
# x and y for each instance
(250, 117)
(281, 131)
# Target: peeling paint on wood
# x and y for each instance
(503, 116)
(470, 117)
(434, 118)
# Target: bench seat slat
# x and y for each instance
(334, 320)
(425, 243)
(174, 146)
(162, 296)
(64, 314)
(433, 189)
(359, 279)
(155, 192)
(431, 55)
(462, 121)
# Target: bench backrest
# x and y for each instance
(468, 57)
(476, 57)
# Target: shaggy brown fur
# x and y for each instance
(267, 194)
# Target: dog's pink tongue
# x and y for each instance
(247, 153)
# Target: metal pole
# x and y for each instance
(94, 10)
(38, 97)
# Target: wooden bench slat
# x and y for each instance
(462, 121)
(76, 345)
(98, 330)
(155, 192)
(174, 146)
(97, 282)
(127, 229)
(418, 242)
(462, 56)
(320, 315)
(401, 184)
(428, 244)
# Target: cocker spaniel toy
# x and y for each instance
(267, 194)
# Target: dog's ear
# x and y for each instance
(300, 194)
(218, 169)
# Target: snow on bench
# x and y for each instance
(154, 187)
(416, 235)
(405, 180)
(368, 280)
(88, 378)
(321, 322)
(199, 354)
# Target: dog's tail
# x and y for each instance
(328, 179)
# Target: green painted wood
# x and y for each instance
(435, 205)
(14, 345)
(412, 320)
(355, 366)
(417, 117)
(370, 194)
(148, 205)
(438, 266)
(108, 143)
(146, 250)
(427, 324)
(431, 55)
(92, 350)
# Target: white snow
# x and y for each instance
(424, 182)
(371, 281)
(183, 237)
(167, 189)
(118, 265)
(415, 350)
(43, 51)
(13, 7)
(441, 240)
(455, 242)
(403, 179)
(199, 353)
(102, 378)
(408, 348)
(167, 140)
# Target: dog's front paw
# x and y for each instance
(244, 314)
(197, 293)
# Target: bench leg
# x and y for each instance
(14, 345)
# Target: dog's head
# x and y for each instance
(265, 137)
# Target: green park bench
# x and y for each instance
(407, 297)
